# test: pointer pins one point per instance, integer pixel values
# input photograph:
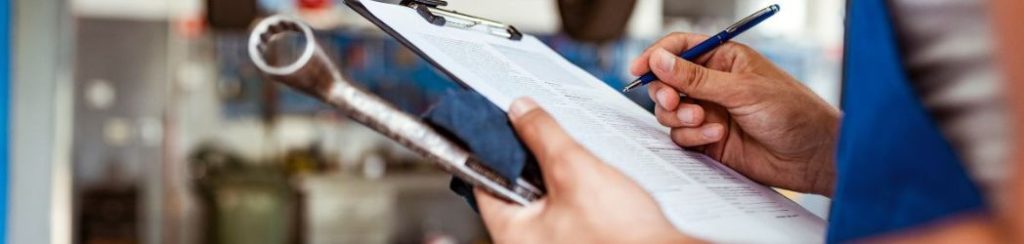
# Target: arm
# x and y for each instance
(1008, 20)
(740, 109)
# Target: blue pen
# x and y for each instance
(713, 42)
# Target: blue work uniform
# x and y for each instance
(895, 169)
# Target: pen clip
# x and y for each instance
(759, 15)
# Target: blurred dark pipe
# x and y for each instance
(595, 20)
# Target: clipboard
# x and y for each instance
(699, 195)
(432, 13)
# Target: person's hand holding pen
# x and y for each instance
(744, 111)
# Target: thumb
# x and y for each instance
(563, 162)
(694, 80)
(496, 213)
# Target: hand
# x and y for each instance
(743, 111)
(587, 201)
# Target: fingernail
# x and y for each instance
(666, 61)
(686, 116)
(712, 132)
(633, 68)
(521, 106)
(663, 96)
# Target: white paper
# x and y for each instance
(700, 196)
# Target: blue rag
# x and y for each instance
(485, 131)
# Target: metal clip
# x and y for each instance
(430, 12)
(430, 3)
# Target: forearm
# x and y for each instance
(1007, 19)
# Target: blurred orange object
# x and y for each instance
(313, 4)
(191, 27)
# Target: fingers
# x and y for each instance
(671, 111)
(666, 97)
(699, 136)
(694, 80)
(495, 212)
(687, 115)
(675, 43)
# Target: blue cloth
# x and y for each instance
(483, 129)
(895, 169)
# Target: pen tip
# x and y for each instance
(632, 85)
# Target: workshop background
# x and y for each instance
(143, 121)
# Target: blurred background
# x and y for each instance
(143, 121)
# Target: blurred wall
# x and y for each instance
(125, 63)
(40, 179)
(120, 76)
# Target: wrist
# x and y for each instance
(824, 179)
(824, 174)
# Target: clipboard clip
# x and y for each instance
(430, 12)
